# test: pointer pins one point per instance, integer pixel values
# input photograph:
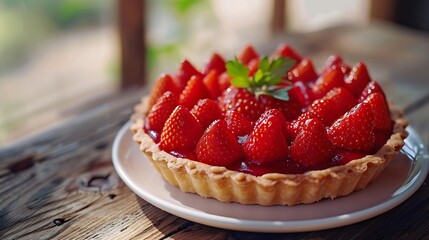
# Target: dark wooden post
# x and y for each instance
(133, 55)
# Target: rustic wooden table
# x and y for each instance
(61, 184)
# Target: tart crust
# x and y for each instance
(272, 188)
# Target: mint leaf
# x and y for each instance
(236, 69)
(281, 93)
(264, 65)
(240, 82)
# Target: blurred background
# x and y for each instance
(60, 57)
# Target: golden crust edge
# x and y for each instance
(270, 189)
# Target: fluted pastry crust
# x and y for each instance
(272, 188)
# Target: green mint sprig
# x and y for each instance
(266, 79)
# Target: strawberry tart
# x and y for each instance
(268, 130)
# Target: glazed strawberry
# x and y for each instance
(381, 138)
(247, 54)
(194, 91)
(185, 72)
(181, 131)
(301, 94)
(216, 63)
(382, 120)
(267, 142)
(163, 84)
(328, 81)
(239, 99)
(303, 71)
(336, 61)
(372, 87)
(295, 127)
(355, 129)
(284, 50)
(290, 109)
(253, 66)
(238, 124)
(343, 157)
(334, 104)
(206, 111)
(160, 112)
(224, 81)
(312, 146)
(357, 80)
(211, 81)
(218, 146)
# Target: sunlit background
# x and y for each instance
(59, 56)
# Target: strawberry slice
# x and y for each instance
(216, 63)
(181, 131)
(160, 112)
(206, 111)
(332, 106)
(238, 124)
(325, 83)
(355, 129)
(253, 66)
(312, 146)
(218, 146)
(247, 54)
(301, 94)
(194, 91)
(295, 127)
(336, 61)
(382, 120)
(284, 50)
(211, 81)
(303, 71)
(267, 142)
(239, 99)
(184, 73)
(358, 79)
(372, 87)
(164, 83)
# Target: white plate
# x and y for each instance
(398, 182)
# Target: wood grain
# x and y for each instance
(62, 185)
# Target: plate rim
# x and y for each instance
(273, 226)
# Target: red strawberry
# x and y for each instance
(382, 120)
(355, 129)
(267, 142)
(194, 91)
(238, 124)
(301, 94)
(253, 66)
(247, 54)
(181, 131)
(294, 128)
(372, 87)
(312, 146)
(290, 109)
(343, 157)
(211, 81)
(206, 111)
(164, 83)
(284, 50)
(335, 60)
(239, 99)
(303, 71)
(216, 63)
(160, 112)
(334, 104)
(325, 83)
(224, 81)
(357, 80)
(185, 72)
(218, 146)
